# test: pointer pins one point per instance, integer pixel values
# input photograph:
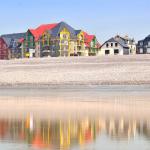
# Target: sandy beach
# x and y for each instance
(108, 70)
(114, 86)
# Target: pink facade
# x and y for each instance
(4, 51)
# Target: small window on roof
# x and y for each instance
(111, 44)
(116, 44)
(107, 45)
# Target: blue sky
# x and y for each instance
(105, 18)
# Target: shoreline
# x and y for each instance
(83, 90)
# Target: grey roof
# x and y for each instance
(119, 41)
(141, 41)
(12, 39)
(55, 31)
(14, 35)
(122, 42)
(111, 40)
(7, 40)
(11, 43)
(148, 37)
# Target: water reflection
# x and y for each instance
(67, 133)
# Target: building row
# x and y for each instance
(61, 39)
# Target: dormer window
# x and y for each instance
(116, 44)
(107, 45)
(111, 44)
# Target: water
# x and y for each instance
(75, 119)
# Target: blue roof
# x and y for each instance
(77, 31)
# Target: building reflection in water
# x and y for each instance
(63, 134)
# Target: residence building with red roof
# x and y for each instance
(59, 39)
(52, 40)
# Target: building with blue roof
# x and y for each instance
(56, 39)
(143, 46)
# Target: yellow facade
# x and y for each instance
(45, 38)
(65, 36)
(81, 44)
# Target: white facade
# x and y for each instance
(111, 48)
(148, 50)
(141, 51)
(31, 53)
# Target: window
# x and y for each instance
(107, 45)
(111, 44)
(141, 50)
(65, 36)
(116, 44)
(141, 43)
(107, 52)
(148, 50)
(116, 51)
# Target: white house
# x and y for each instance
(115, 46)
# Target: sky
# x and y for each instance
(104, 18)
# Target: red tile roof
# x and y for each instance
(21, 40)
(88, 38)
(41, 29)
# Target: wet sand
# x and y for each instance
(108, 70)
(80, 103)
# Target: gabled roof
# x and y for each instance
(21, 40)
(117, 40)
(122, 42)
(11, 43)
(77, 31)
(111, 40)
(57, 29)
(7, 40)
(88, 39)
(41, 29)
(147, 38)
(14, 35)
